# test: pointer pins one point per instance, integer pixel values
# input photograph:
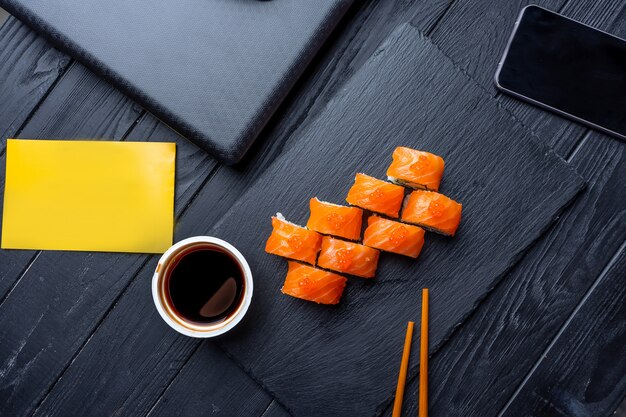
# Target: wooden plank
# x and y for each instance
(122, 368)
(220, 391)
(583, 373)
(62, 296)
(80, 106)
(474, 35)
(561, 134)
(136, 386)
(477, 371)
(373, 127)
(29, 67)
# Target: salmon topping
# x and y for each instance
(420, 165)
(376, 195)
(313, 284)
(399, 234)
(436, 208)
(335, 220)
(433, 211)
(344, 258)
(392, 236)
(416, 169)
(291, 241)
(348, 257)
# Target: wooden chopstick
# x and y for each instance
(423, 395)
(404, 366)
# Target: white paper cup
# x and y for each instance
(166, 310)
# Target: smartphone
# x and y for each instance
(568, 67)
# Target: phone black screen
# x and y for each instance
(568, 66)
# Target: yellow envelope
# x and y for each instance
(89, 195)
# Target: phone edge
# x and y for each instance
(499, 87)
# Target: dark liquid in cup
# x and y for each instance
(206, 285)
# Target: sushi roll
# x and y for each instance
(416, 169)
(313, 284)
(348, 257)
(292, 241)
(376, 195)
(432, 211)
(336, 220)
(395, 237)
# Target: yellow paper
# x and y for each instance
(89, 195)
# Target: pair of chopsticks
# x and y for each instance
(404, 365)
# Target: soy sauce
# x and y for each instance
(206, 285)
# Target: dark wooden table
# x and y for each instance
(549, 340)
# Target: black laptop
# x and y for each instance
(214, 70)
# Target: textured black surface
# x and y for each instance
(214, 70)
(314, 357)
(571, 380)
(131, 360)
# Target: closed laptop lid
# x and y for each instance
(214, 70)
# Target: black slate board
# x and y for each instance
(214, 70)
(343, 360)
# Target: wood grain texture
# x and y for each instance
(60, 299)
(477, 371)
(561, 134)
(218, 392)
(80, 106)
(474, 35)
(29, 66)
(127, 366)
(583, 373)
(273, 349)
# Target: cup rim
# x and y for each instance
(220, 328)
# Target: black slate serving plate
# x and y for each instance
(342, 360)
(214, 70)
